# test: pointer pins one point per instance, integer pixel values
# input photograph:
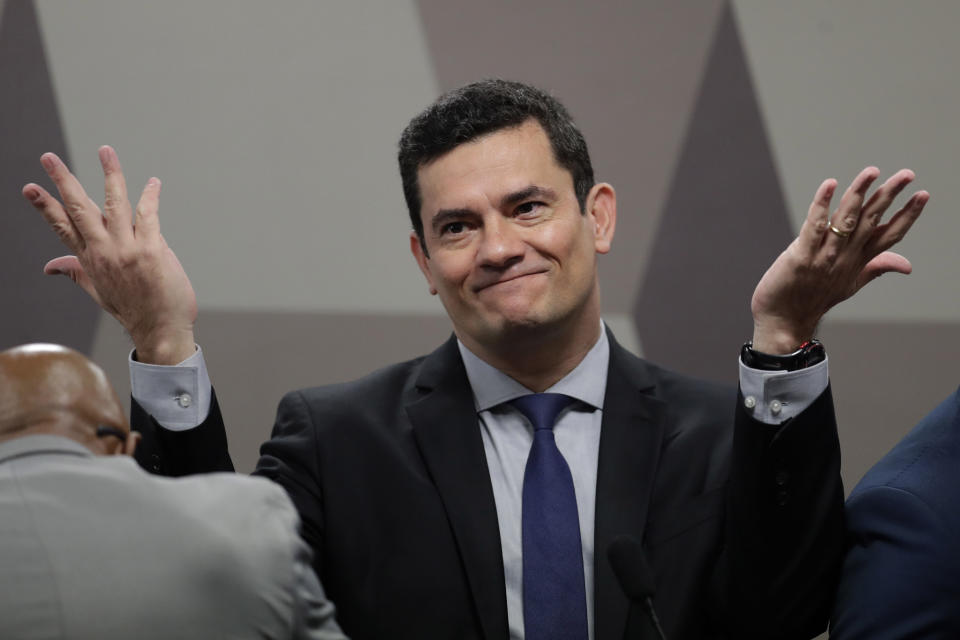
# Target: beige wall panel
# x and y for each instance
(273, 127)
(847, 84)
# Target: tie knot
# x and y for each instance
(542, 409)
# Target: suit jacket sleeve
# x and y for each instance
(784, 527)
(178, 453)
(290, 458)
(901, 574)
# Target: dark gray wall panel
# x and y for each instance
(725, 221)
(37, 308)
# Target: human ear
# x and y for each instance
(423, 260)
(130, 445)
(601, 209)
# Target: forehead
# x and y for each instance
(490, 166)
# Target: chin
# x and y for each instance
(517, 315)
(521, 325)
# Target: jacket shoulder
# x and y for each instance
(924, 463)
(676, 390)
(373, 399)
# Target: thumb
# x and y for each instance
(884, 263)
(69, 266)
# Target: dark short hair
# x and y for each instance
(469, 112)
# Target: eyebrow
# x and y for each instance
(445, 215)
(527, 192)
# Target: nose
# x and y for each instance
(500, 244)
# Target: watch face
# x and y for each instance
(814, 353)
(808, 354)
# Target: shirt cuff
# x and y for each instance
(773, 397)
(177, 396)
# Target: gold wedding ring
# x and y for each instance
(840, 234)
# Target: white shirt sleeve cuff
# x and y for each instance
(773, 397)
(177, 396)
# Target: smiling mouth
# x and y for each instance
(513, 278)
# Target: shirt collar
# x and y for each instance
(587, 382)
(41, 444)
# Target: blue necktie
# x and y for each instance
(554, 597)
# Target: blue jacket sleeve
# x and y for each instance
(901, 575)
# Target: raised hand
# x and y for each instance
(832, 258)
(124, 264)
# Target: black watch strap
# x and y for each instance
(808, 354)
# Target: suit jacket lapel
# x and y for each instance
(446, 430)
(630, 439)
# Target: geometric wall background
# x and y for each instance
(274, 128)
(34, 305)
(723, 222)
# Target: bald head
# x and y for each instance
(49, 389)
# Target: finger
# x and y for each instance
(82, 211)
(889, 234)
(844, 220)
(848, 211)
(878, 203)
(886, 262)
(62, 266)
(116, 204)
(70, 266)
(147, 226)
(55, 216)
(811, 233)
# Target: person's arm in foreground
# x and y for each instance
(785, 519)
(121, 259)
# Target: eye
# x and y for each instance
(453, 228)
(528, 207)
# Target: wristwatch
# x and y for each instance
(808, 354)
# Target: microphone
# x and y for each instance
(629, 564)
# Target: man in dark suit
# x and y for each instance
(440, 498)
(901, 574)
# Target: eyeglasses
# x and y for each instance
(104, 431)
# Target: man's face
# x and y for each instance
(509, 249)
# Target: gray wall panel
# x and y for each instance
(843, 85)
(713, 243)
(273, 127)
(885, 377)
(36, 307)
